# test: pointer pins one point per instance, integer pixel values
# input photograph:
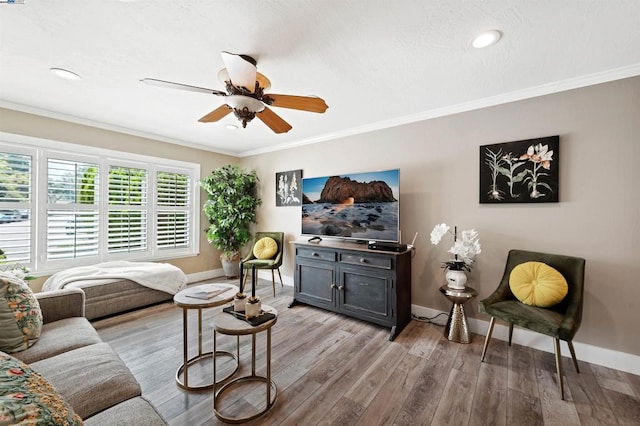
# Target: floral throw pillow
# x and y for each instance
(20, 315)
(27, 398)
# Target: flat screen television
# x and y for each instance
(359, 206)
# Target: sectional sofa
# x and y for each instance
(85, 371)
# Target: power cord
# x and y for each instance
(429, 320)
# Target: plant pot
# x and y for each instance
(456, 279)
(231, 268)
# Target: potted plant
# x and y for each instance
(464, 249)
(231, 208)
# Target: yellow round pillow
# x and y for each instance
(537, 284)
(265, 248)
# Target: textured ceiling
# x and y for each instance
(377, 63)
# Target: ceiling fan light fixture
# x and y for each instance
(66, 74)
(241, 102)
(486, 39)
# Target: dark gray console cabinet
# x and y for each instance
(350, 279)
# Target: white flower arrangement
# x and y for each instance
(16, 269)
(465, 249)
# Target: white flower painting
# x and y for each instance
(520, 172)
(288, 189)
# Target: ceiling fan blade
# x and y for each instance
(304, 103)
(274, 121)
(216, 114)
(172, 85)
(241, 70)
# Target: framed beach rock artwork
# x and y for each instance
(520, 172)
(288, 188)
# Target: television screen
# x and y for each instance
(362, 206)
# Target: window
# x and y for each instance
(172, 220)
(93, 205)
(15, 206)
(73, 210)
(127, 222)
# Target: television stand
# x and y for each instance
(350, 279)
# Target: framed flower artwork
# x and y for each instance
(289, 188)
(523, 171)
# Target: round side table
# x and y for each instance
(227, 324)
(457, 329)
(187, 302)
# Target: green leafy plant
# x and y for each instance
(231, 208)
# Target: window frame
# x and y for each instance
(41, 150)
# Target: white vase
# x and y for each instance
(239, 304)
(253, 309)
(456, 279)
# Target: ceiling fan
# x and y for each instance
(245, 95)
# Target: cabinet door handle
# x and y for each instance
(363, 260)
(334, 286)
(314, 254)
(341, 287)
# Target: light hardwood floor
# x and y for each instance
(334, 370)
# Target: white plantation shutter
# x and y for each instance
(64, 205)
(173, 210)
(72, 209)
(15, 207)
(127, 219)
(72, 234)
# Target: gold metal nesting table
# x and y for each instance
(227, 324)
(457, 329)
(188, 303)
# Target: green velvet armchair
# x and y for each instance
(274, 263)
(560, 321)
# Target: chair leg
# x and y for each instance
(273, 283)
(280, 275)
(556, 342)
(573, 355)
(244, 282)
(487, 338)
(510, 332)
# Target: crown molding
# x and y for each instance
(517, 95)
(105, 126)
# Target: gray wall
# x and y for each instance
(598, 216)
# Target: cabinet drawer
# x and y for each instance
(313, 253)
(365, 259)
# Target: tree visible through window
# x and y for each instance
(73, 213)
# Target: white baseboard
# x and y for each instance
(205, 275)
(266, 275)
(584, 352)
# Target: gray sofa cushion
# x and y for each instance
(91, 378)
(120, 296)
(58, 337)
(136, 411)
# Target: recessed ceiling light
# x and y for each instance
(486, 39)
(231, 127)
(62, 73)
